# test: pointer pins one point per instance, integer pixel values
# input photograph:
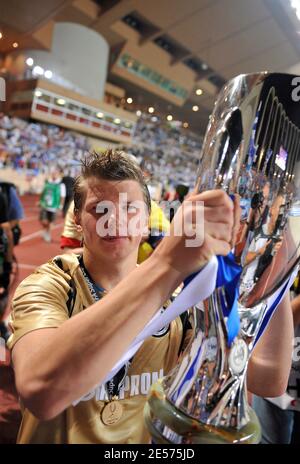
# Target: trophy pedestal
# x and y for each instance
(168, 425)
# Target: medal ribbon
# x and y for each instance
(115, 383)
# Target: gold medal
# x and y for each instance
(112, 413)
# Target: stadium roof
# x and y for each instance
(209, 40)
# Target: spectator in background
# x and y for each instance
(68, 181)
(51, 201)
(6, 257)
(15, 209)
(71, 238)
(182, 190)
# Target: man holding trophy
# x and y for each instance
(88, 336)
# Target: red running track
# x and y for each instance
(30, 253)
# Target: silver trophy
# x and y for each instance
(251, 148)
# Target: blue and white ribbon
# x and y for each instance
(221, 271)
(200, 287)
(228, 277)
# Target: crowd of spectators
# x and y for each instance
(166, 151)
(38, 147)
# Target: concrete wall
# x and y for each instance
(78, 59)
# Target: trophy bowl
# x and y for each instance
(251, 148)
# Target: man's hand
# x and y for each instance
(221, 223)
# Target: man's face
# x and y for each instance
(113, 218)
(54, 176)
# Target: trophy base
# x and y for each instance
(168, 425)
